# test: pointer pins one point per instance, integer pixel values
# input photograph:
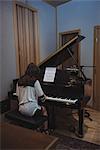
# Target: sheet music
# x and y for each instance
(49, 75)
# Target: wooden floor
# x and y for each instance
(91, 128)
(16, 137)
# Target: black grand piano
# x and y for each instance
(67, 89)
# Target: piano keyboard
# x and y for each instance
(65, 100)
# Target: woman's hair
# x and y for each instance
(31, 74)
(32, 70)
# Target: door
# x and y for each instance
(96, 72)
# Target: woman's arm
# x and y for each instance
(39, 92)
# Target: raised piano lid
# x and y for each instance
(60, 55)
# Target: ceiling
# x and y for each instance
(56, 3)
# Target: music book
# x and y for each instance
(49, 75)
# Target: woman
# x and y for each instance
(29, 91)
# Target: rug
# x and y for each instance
(68, 143)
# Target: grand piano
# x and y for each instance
(67, 89)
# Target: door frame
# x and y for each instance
(94, 70)
(71, 32)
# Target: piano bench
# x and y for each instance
(29, 122)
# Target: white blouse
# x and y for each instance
(28, 93)
(27, 97)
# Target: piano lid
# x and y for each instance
(60, 55)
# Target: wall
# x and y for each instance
(8, 58)
(47, 27)
(83, 15)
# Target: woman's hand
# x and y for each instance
(45, 97)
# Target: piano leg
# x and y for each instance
(80, 132)
(51, 116)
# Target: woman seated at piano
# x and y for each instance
(29, 91)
